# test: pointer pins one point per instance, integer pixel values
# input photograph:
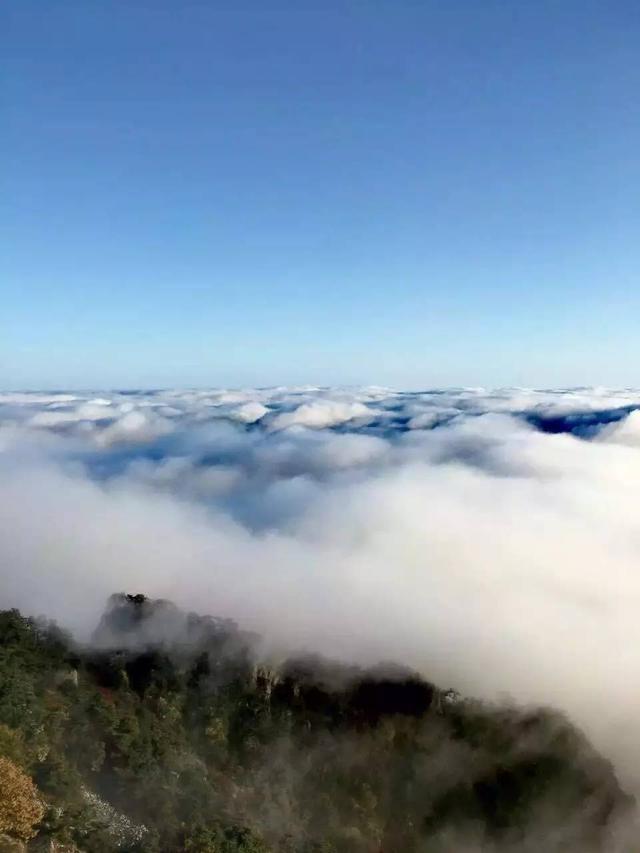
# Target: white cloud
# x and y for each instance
(134, 426)
(249, 413)
(494, 556)
(320, 414)
(626, 431)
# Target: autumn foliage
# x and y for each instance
(20, 807)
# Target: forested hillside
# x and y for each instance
(170, 733)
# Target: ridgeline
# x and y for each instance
(169, 733)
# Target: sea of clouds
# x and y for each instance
(489, 539)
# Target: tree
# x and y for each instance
(20, 806)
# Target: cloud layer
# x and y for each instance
(490, 539)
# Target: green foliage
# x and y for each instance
(223, 839)
(184, 744)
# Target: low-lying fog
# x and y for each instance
(491, 540)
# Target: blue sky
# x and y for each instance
(404, 193)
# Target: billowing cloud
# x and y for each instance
(488, 538)
(249, 412)
(320, 414)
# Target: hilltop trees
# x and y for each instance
(169, 734)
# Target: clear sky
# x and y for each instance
(405, 193)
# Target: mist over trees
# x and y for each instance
(472, 535)
(169, 732)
